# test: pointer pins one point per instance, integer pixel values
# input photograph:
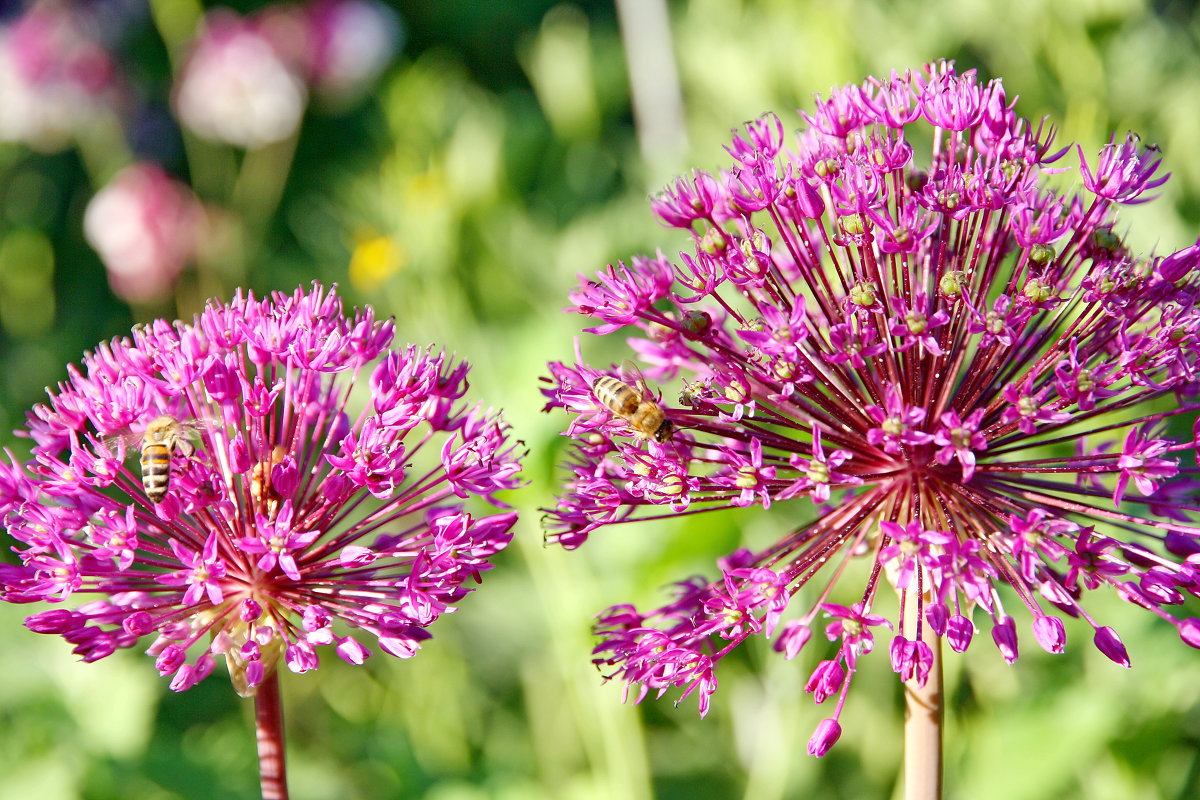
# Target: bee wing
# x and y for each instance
(630, 373)
(197, 427)
(127, 440)
(194, 429)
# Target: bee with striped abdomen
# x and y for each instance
(164, 436)
(635, 405)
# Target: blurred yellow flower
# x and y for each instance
(375, 259)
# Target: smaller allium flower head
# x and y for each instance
(240, 85)
(270, 520)
(146, 228)
(953, 370)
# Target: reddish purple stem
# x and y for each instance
(268, 725)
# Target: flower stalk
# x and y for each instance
(924, 716)
(268, 727)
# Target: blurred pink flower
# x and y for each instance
(352, 43)
(237, 86)
(54, 77)
(145, 227)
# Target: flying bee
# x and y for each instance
(635, 405)
(163, 437)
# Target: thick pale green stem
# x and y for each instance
(268, 723)
(653, 84)
(923, 718)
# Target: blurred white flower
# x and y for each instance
(237, 87)
(145, 226)
(54, 78)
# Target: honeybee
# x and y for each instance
(634, 405)
(164, 436)
(260, 481)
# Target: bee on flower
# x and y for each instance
(269, 521)
(976, 381)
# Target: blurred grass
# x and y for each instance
(496, 161)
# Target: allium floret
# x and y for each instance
(964, 366)
(290, 521)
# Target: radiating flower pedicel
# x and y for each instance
(294, 522)
(991, 386)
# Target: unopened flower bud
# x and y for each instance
(1189, 631)
(695, 323)
(1004, 634)
(959, 631)
(1110, 644)
(826, 736)
(1050, 633)
(937, 615)
(792, 638)
(825, 681)
(1041, 253)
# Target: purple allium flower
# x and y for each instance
(949, 351)
(291, 519)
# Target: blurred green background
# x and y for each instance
(496, 157)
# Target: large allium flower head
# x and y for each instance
(964, 368)
(272, 515)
